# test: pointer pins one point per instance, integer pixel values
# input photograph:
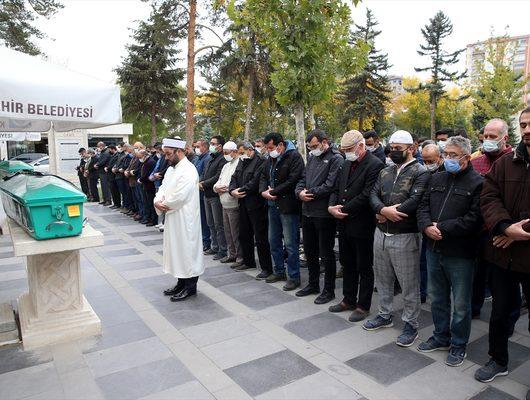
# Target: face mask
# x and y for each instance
(442, 144)
(398, 156)
(244, 156)
(213, 148)
(274, 153)
(259, 149)
(431, 167)
(198, 151)
(452, 166)
(491, 146)
(317, 152)
(120, 149)
(351, 156)
(371, 149)
(228, 157)
(158, 155)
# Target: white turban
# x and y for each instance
(401, 137)
(174, 143)
(230, 146)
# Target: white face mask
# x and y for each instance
(317, 152)
(351, 156)
(275, 153)
(228, 157)
(120, 149)
(442, 144)
(431, 167)
(244, 156)
(198, 151)
(371, 149)
(491, 146)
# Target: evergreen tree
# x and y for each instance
(148, 74)
(439, 28)
(17, 18)
(366, 94)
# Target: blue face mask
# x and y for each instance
(491, 146)
(452, 166)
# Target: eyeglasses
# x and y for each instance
(453, 156)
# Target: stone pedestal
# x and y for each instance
(54, 309)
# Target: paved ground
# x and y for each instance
(238, 339)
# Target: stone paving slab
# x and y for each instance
(237, 339)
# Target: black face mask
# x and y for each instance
(398, 156)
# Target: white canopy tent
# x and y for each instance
(37, 96)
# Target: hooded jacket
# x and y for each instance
(282, 174)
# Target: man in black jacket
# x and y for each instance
(395, 198)
(281, 173)
(350, 205)
(373, 145)
(318, 226)
(253, 221)
(449, 215)
(212, 203)
(81, 172)
(92, 174)
(101, 166)
(113, 187)
(121, 180)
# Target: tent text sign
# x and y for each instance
(28, 109)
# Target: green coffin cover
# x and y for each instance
(45, 205)
(8, 168)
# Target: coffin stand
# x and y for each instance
(54, 310)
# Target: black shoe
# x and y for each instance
(342, 306)
(113, 207)
(173, 291)
(325, 297)
(241, 267)
(218, 257)
(423, 299)
(183, 295)
(205, 248)
(209, 252)
(102, 203)
(309, 289)
(262, 275)
(291, 285)
(107, 203)
(227, 260)
(276, 278)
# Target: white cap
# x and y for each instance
(401, 137)
(174, 143)
(230, 146)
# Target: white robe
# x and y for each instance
(182, 253)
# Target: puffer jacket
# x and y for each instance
(406, 189)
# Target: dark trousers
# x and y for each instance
(506, 294)
(319, 241)
(357, 258)
(132, 197)
(205, 229)
(480, 278)
(423, 267)
(84, 184)
(105, 188)
(149, 208)
(93, 183)
(114, 191)
(123, 187)
(254, 228)
(190, 283)
(138, 199)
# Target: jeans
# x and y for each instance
(139, 199)
(319, 241)
(450, 276)
(505, 289)
(287, 225)
(357, 258)
(149, 208)
(105, 188)
(214, 216)
(205, 229)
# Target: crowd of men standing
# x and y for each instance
(435, 221)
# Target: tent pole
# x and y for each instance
(52, 151)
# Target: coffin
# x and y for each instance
(46, 206)
(9, 168)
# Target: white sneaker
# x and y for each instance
(161, 228)
(158, 226)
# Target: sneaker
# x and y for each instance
(291, 285)
(456, 356)
(408, 336)
(358, 315)
(262, 275)
(490, 371)
(276, 278)
(431, 345)
(378, 323)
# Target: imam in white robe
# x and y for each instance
(182, 252)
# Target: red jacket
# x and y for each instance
(484, 163)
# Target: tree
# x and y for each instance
(148, 74)
(17, 18)
(439, 28)
(366, 95)
(497, 90)
(309, 49)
